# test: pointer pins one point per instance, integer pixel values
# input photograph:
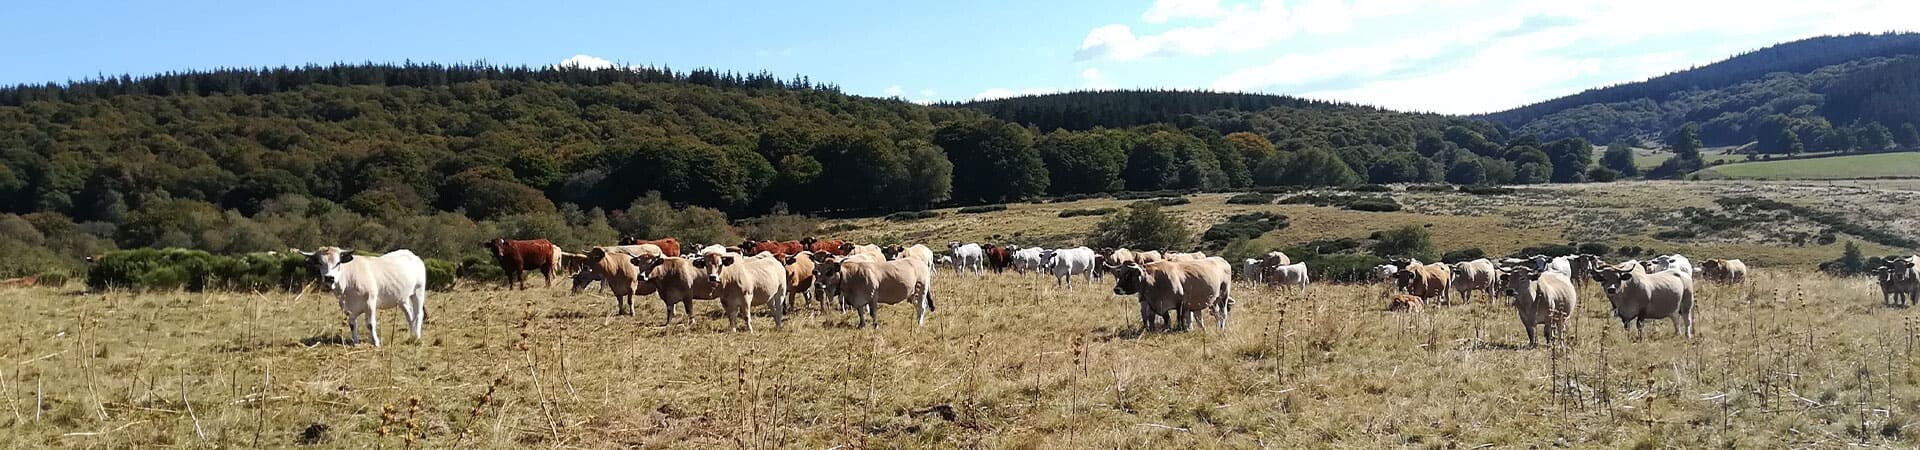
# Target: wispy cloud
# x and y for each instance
(1466, 56)
(586, 62)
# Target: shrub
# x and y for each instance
(1342, 268)
(1141, 225)
(1251, 198)
(1629, 251)
(1324, 247)
(1242, 226)
(1140, 195)
(1591, 248)
(1374, 205)
(1430, 188)
(1410, 240)
(982, 209)
(1167, 201)
(1086, 212)
(1370, 188)
(53, 279)
(151, 269)
(1463, 255)
(908, 216)
(1674, 235)
(441, 274)
(1316, 199)
(1485, 190)
(1075, 197)
(837, 228)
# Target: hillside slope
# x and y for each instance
(1810, 86)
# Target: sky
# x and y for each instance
(1447, 56)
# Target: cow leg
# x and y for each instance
(670, 305)
(1146, 318)
(547, 273)
(353, 332)
(418, 319)
(373, 325)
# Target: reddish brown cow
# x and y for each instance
(830, 246)
(778, 249)
(998, 258)
(668, 246)
(517, 257)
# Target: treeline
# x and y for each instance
(1086, 110)
(1704, 93)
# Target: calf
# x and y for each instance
(517, 257)
(1405, 302)
(1724, 270)
(1541, 299)
(1637, 296)
(368, 284)
(1287, 276)
(1187, 287)
(1474, 276)
(1251, 270)
(968, 257)
(1028, 260)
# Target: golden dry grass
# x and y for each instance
(1008, 361)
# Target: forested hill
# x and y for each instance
(1127, 108)
(1813, 86)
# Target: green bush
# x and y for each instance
(982, 209)
(1463, 255)
(1550, 250)
(1430, 188)
(1674, 235)
(150, 269)
(1410, 240)
(1242, 226)
(1485, 190)
(1370, 188)
(909, 216)
(1251, 198)
(1591, 248)
(1167, 201)
(53, 279)
(1086, 212)
(1142, 225)
(441, 274)
(1341, 268)
(1141, 195)
(1374, 205)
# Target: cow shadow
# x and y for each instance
(334, 339)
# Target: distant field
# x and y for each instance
(1841, 167)
(1649, 158)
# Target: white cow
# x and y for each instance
(368, 284)
(968, 257)
(1675, 263)
(1065, 263)
(1558, 264)
(1288, 276)
(1384, 272)
(1251, 269)
(1028, 260)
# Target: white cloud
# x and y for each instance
(1504, 58)
(1000, 93)
(1236, 29)
(1093, 78)
(586, 62)
(893, 91)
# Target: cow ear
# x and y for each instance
(726, 261)
(1534, 277)
(346, 256)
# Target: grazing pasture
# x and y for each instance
(1884, 165)
(1007, 361)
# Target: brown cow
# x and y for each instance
(668, 246)
(1188, 287)
(778, 249)
(517, 257)
(998, 258)
(830, 247)
(1427, 281)
(614, 265)
(746, 281)
(800, 280)
(677, 281)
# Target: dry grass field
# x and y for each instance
(1791, 360)
(1008, 361)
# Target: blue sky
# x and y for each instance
(1453, 56)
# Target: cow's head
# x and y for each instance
(1518, 279)
(713, 263)
(1405, 277)
(955, 245)
(497, 247)
(846, 247)
(1128, 279)
(324, 265)
(581, 281)
(645, 263)
(794, 258)
(892, 251)
(748, 245)
(1610, 278)
(826, 274)
(1046, 258)
(807, 242)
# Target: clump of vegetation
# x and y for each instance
(1369, 188)
(1167, 201)
(1835, 223)
(1485, 190)
(1242, 226)
(175, 269)
(1675, 235)
(1411, 241)
(1463, 255)
(1086, 212)
(1549, 250)
(1141, 225)
(1251, 198)
(1142, 195)
(1374, 205)
(1430, 188)
(1593, 248)
(982, 209)
(909, 216)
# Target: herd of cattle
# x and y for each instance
(1542, 290)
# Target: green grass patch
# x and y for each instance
(1882, 165)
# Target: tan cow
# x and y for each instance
(1725, 270)
(866, 249)
(1427, 281)
(1150, 256)
(1188, 287)
(1637, 296)
(614, 266)
(1478, 275)
(863, 283)
(1112, 258)
(1404, 302)
(800, 280)
(1541, 299)
(677, 282)
(747, 281)
(1195, 256)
